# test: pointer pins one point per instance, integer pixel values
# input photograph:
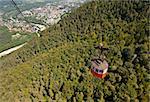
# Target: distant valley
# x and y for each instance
(37, 16)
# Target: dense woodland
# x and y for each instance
(56, 66)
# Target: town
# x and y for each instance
(40, 17)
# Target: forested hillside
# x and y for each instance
(56, 67)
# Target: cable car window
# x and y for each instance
(101, 71)
(96, 70)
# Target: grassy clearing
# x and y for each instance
(7, 42)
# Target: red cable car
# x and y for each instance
(99, 68)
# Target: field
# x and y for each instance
(11, 39)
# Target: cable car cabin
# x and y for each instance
(99, 68)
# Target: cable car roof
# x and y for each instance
(99, 64)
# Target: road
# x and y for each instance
(11, 50)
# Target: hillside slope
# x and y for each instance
(57, 65)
